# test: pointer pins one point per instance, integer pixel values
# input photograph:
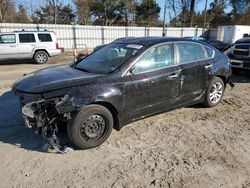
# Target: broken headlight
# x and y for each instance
(27, 109)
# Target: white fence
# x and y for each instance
(71, 36)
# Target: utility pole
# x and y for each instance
(55, 10)
(205, 17)
(164, 19)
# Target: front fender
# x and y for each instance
(89, 94)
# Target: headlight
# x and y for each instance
(27, 109)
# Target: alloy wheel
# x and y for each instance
(216, 92)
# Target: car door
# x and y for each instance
(154, 85)
(8, 46)
(192, 60)
(26, 44)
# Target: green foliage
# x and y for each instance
(217, 13)
(182, 13)
(107, 11)
(54, 13)
(147, 12)
(83, 11)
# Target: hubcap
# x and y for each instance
(93, 127)
(41, 58)
(216, 92)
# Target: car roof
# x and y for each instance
(243, 40)
(27, 31)
(145, 41)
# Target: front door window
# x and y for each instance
(158, 57)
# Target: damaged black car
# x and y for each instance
(123, 82)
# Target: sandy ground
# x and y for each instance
(188, 147)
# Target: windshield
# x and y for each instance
(108, 58)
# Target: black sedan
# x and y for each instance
(123, 82)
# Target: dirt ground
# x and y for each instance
(188, 147)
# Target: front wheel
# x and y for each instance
(90, 127)
(214, 92)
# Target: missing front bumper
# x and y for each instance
(45, 116)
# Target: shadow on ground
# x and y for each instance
(12, 128)
(16, 62)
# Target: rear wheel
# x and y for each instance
(90, 127)
(215, 92)
(41, 57)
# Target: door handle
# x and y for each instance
(208, 66)
(12, 46)
(174, 75)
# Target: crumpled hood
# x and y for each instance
(53, 78)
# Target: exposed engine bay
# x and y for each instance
(44, 116)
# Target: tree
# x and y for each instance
(147, 13)
(192, 6)
(22, 16)
(184, 12)
(54, 13)
(217, 14)
(7, 11)
(172, 5)
(241, 11)
(107, 12)
(128, 11)
(240, 6)
(83, 8)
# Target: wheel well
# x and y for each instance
(43, 50)
(223, 78)
(113, 111)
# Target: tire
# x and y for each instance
(41, 57)
(214, 92)
(90, 127)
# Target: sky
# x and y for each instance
(200, 5)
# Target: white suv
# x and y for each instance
(37, 45)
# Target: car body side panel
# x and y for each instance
(151, 92)
(191, 81)
(9, 50)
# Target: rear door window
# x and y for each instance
(210, 52)
(189, 52)
(26, 38)
(44, 37)
(7, 39)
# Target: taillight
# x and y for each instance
(57, 45)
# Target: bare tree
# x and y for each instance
(173, 5)
(192, 6)
(7, 11)
(83, 8)
(22, 16)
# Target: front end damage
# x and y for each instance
(44, 116)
